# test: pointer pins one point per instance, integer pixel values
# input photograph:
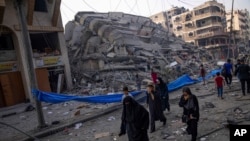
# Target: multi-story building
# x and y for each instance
(164, 18)
(204, 26)
(50, 57)
(240, 27)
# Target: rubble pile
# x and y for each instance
(106, 50)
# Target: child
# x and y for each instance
(219, 83)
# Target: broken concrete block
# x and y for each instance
(100, 135)
(111, 55)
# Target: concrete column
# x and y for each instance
(65, 59)
(31, 5)
(23, 65)
(56, 12)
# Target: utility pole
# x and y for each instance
(28, 50)
(231, 29)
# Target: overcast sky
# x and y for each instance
(138, 7)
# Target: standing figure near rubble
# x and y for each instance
(191, 114)
(236, 67)
(137, 120)
(244, 76)
(155, 108)
(219, 83)
(154, 76)
(228, 71)
(138, 82)
(162, 88)
(123, 122)
(203, 74)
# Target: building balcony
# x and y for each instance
(209, 14)
(215, 45)
(210, 34)
(212, 24)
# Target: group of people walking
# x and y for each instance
(136, 118)
(242, 72)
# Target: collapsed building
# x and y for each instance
(106, 50)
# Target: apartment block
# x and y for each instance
(50, 56)
(240, 27)
(204, 26)
(164, 18)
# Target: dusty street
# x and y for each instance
(214, 114)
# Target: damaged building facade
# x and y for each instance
(204, 26)
(240, 27)
(164, 18)
(107, 50)
(50, 56)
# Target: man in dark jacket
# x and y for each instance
(191, 114)
(243, 73)
(137, 120)
(155, 108)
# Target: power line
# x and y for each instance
(131, 9)
(89, 6)
(138, 7)
(65, 15)
(117, 5)
(155, 4)
(185, 3)
(149, 8)
(68, 8)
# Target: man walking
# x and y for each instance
(228, 68)
(243, 73)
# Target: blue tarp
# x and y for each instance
(57, 98)
(180, 82)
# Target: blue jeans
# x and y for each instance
(220, 91)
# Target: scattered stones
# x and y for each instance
(111, 118)
(29, 108)
(77, 113)
(202, 139)
(209, 105)
(100, 135)
(78, 125)
(55, 122)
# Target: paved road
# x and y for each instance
(211, 119)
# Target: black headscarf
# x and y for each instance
(135, 113)
(130, 106)
(162, 84)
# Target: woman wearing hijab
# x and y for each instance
(155, 109)
(162, 88)
(191, 114)
(137, 120)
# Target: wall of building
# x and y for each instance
(42, 22)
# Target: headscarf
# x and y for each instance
(190, 102)
(162, 84)
(130, 107)
(135, 113)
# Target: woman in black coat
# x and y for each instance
(162, 88)
(137, 120)
(155, 108)
(191, 114)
